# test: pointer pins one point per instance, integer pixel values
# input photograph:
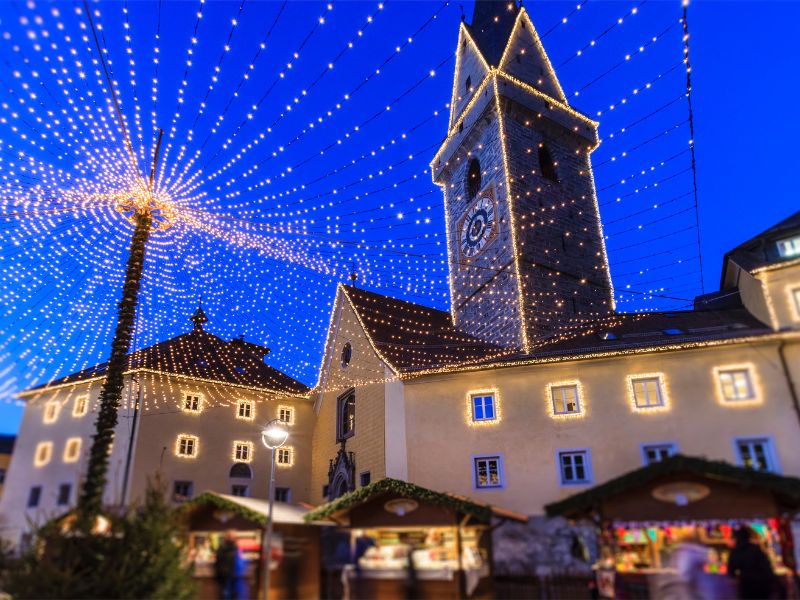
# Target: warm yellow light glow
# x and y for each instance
(80, 406)
(192, 403)
(648, 392)
(43, 454)
(72, 450)
(284, 456)
(470, 406)
(286, 414)
(793, 297)
(242, 451)
(51, 410)
(737, 385)
(246, 410)
(562, 393)
(187, 446)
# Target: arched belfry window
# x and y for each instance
(241, 471)
(546, 164)
(473, 178)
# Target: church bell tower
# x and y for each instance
(525, 243)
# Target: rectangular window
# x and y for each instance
(565, 399)
(239, 490)
(283, 494)
(81, 406)
(64, 493)
(756, 454)
(365, 478)
(246, 410)
(181, 491)
(2, 476)
(653, 453)
(51, 411)
(242, 451)
(325, 489)
(72, 450)
(483, 408)
(488, 471)
(191, 403)
(789, 247)
(284, 456)
(796, 297)
(574, 467)
(43, 454)
(647, 392)
(735, 384)
(346, 415)
(186, 446)
(34, 495)
(286, 414)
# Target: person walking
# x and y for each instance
(750, 566)
(229, 568)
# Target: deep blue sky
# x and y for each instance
(256, 274)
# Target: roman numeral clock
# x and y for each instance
(478, 226)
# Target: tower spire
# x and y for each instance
(199, 317)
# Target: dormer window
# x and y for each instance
(789, 247)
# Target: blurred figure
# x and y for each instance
(750, 566)
(229, 568)
(686, 579)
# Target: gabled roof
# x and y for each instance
(760, 250)
(787, 489)
(202, 355)
(252, 509)
(415, 338)
(387, 485)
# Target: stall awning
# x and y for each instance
(252, 509)
(388, 489)
(684, 487)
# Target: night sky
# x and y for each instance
(272, 213)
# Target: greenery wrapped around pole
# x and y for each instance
(91, 498)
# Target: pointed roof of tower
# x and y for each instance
(491, 26)
(199, 317)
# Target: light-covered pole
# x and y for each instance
(274, 435)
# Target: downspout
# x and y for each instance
(129, 458)
(789, 380)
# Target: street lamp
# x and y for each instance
(274, 435)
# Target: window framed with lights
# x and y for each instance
(346, 415)
(246, 409)
(286, 415)
(483, 406)
(565, 398)
(192, 402)
(488, 472)
(186, 446)
(647, 392)
(789, 247)
(43, 453)
(657, 451)
(51, 410)
(72, 450)
(756, 453)
(284, 456)
(574, 466)
(80, 405)
(243, 451)
(736, 383)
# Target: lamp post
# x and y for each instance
(274, 435)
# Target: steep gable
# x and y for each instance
(471, 69)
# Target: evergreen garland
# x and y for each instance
(91, 499)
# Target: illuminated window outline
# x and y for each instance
(284, 456)
(485, 460)
(721, 373)
(662, 393)
(242, 451)
(483, 406)
(72, 450)
(80, 406)
(248, 407)
(43, 454)
(470, 407)
(51, 410)
(561, 386)
(196, 399)
(286, 414)
(183, 443)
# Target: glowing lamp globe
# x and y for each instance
(274, 434)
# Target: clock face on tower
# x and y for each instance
(477, 226)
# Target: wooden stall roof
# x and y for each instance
(335, 509)
(783, 491)
(252, 509)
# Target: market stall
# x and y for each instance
(294, 557)
(645, 514)
(408, 541)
